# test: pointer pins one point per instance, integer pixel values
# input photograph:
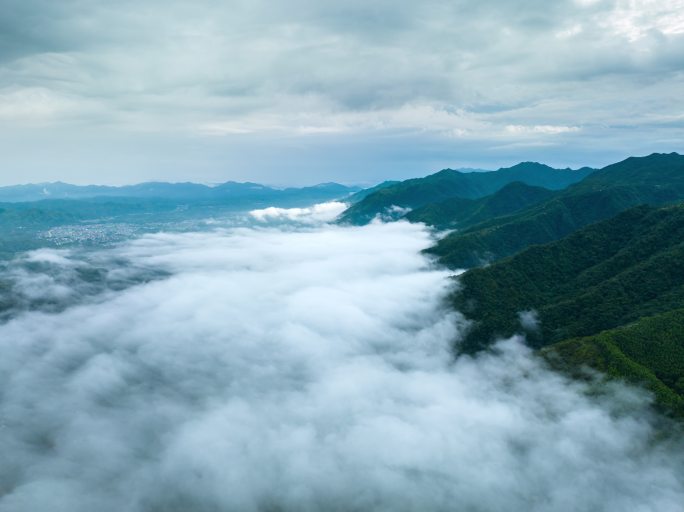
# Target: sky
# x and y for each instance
(298, 370)
(309, 91)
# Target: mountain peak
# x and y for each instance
(531, 165)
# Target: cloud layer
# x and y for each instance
(300, 371)
(316, 214)
(354, 91)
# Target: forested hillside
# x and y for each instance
(449, 183)
(656, 179)
(460, 213)
(648, 352)
(604, 276)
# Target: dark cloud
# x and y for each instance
(180, 72)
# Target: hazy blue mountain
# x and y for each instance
(655, 179)
(172, 191)
(472, 169)
(114, 213)
(449, 183)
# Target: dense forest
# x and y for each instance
(600, 277)
(462, 213)
(654, 180)
(649, 352)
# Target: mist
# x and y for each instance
(301, 369)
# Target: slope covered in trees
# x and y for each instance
(609, 297)
(648, 352)
(589, 297)
(448, 184)
(460, 213)
(601, 277)
(656, 179)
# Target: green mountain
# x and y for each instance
(601, 277)
(459, 213)
(656, 179)
(446, 184)
(656, 170)
(609, 296)
(362, 194)
(648, 352)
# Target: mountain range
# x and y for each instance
(657, 179)
(587, 264)
(174, 191)
(591, 274)
(448, 184)
(28, 211)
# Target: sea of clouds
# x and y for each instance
(300, 369)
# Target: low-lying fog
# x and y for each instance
(295, 369)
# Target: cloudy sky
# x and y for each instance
(307, 91)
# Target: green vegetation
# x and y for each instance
(448, 184)
(460, 213)
(661, 170)
(609, 296)
(362, 194)
(592, 274)
(601, 277)
(649, 352)
(655, 180)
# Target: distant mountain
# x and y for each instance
(362, 194)
(656, 179)
(24, 224)
(472, 169)
(657, 170)
(172, 191)
(460, 213)
(448, 183)
(590, 288)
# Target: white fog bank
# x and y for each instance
(316, 214)
(302, 371)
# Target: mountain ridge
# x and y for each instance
(573, 298)
(461, 213)
(449, 183)
(163, 190)
(655, 179)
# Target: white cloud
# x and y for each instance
(391, 213)
(569, 32)
(635, 19)
(529, 320)
(316, 214)
(540, 129)
(297, 371)
(32, 104)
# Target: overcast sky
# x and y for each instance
(355, 91)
